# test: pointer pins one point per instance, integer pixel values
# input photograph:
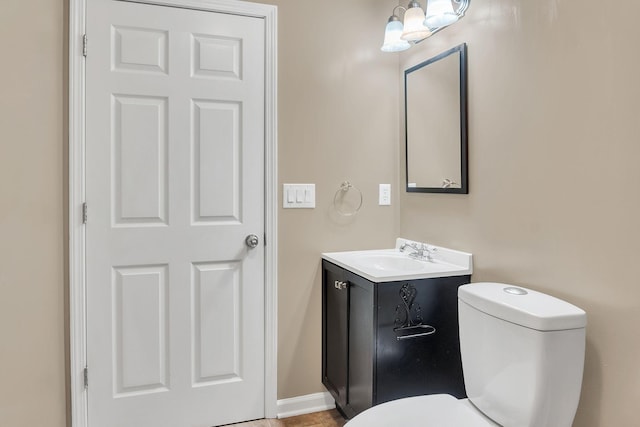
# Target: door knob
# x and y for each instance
(252, 241)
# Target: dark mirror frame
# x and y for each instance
(464, 166)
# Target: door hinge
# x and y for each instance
(85, 41)
(84, 213)
(86, 377)
(265, 239)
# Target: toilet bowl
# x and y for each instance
(522, 358)
(436, 410)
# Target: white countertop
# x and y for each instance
(390, 265)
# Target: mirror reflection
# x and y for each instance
(436, 124)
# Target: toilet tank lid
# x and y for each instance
(523, 306)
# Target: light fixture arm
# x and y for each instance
(464, 5)
(404, 9)
(460, 11)
(395, 17)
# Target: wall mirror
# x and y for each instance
(436, 123)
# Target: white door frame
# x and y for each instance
(77, 276)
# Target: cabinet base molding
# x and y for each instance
(306, 404)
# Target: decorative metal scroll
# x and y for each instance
(409, 312)
(408, 321)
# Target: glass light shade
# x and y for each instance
(392, 40)
(440, 14)
(414, 28)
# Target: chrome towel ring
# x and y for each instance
(339, 202)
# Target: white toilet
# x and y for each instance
(522, 358)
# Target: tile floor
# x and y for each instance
(317, 419)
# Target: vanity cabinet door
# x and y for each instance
(335, 302)
(361, 345)
(417, 341)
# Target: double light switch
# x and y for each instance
(299, 196)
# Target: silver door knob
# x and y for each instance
(252, 241)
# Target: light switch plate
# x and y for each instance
(298, 196)
(385, 195)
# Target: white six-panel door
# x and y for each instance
(174, 184)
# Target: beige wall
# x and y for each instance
(554, 202)
(32, 308)
(338, 120)
(554, 120)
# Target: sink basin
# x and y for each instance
(388, 265)
(391, 262)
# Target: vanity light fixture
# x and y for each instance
(414, 26)
(440, 14)
(417, 25)
(393, 33)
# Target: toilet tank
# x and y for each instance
(522, 354)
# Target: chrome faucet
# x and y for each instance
(420, 252)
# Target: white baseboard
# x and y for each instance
(305, 404)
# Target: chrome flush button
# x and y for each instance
(515, 291)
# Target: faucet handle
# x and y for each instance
(427, 252)
(421, 251)
(407, 244)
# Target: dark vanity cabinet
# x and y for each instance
(385, 341)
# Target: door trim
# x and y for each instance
(77, 242)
